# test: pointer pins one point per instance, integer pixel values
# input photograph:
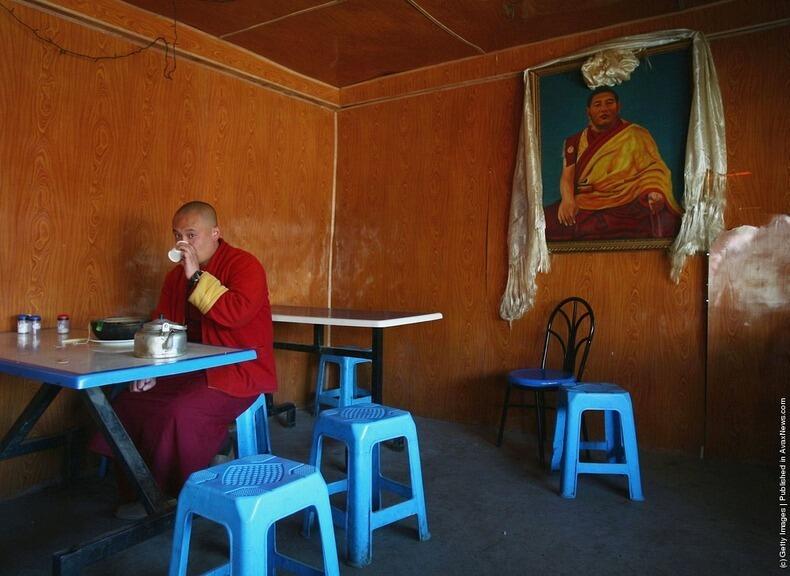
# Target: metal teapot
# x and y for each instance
(160, 339)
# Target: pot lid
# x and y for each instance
(162, 326)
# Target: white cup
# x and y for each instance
(175, 254)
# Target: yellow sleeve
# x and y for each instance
(206, 293)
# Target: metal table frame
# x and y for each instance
(86, 368)
(376, 320)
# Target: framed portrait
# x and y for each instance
(612, 159)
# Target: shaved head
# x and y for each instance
(196, 224)
(205, 210)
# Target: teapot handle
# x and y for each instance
(169, 327)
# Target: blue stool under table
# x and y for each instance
(252, 430)
(620, 443)
(362, 429)
(248, 496)
(347, 393)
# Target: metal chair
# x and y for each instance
(570, 332)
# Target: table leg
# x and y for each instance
(13, 443)
(69, 562)
(377, 381)
(377, 371)
(318, 337)
(126, 453)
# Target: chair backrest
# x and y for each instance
(252, 430)
(571, 326)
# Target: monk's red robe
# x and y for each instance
(179, 425)
(233, 298)
(615, 172)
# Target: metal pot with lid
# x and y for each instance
(160, 338)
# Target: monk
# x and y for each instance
(614, 184)
(179, 423)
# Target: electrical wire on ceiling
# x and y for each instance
(428, 15)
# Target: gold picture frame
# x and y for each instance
(657, 97)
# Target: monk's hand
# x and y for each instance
(190, 260)
(566, 213)
(655, 202)
(142, 385)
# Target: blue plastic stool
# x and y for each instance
(252, 430)
(620, 443)
(362, 429)
(347, 393)
(248, 496)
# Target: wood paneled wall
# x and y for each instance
(749, 316)
(424, 185)
(94, 159)
(423, 198)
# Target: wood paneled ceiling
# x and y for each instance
(345, 42)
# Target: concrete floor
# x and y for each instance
(490, 510)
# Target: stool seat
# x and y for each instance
(347, 392)
(248, 496)
(541, 378)
(362, 429)
(619, 444)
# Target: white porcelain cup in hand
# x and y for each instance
(175, 254)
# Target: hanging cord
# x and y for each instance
(425, 13)
(169, 47)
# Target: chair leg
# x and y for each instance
(540, 410)
(630, 448)
(249, 553)
(347, 382)
(316, 448)
(504, 415)
(271, 550)
(375, 502)
(359, 541)
(323, 513)
(182, 532)
(585, 436)
(319, 386)
(612, 435)
(570, 455)
(417, 490)
(559, 430)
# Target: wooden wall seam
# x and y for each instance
(332, 210)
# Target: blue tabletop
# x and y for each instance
(79, 364)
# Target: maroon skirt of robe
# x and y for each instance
(178, 426)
